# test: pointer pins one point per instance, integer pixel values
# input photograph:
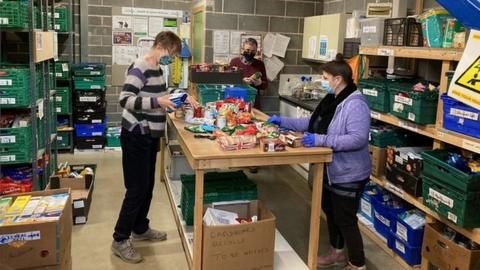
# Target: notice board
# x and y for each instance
(133, 33)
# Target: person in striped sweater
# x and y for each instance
(145, 99)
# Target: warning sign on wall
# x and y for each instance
(465, 85)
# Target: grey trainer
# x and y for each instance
(124, 249)
(150, 234)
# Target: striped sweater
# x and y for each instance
(143, 84)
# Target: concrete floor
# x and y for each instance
(281, 188)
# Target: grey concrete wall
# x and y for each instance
(100, 39)
(262, 16)
(336, 6)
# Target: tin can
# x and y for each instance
(221, 121)
(189, 114)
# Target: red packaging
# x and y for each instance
(198, 113)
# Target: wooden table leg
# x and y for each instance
(315, 216)
(163, 146)
(197, 221)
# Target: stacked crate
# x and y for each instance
(89, 105)
(63, 104)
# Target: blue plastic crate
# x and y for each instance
(366, 205)
(460, 117)
(384, 217)
(407, 234)
(93, 130)
(411, 255)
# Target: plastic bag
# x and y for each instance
(354, 63)
(433, 25)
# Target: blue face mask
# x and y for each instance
(166, 60)
(327, 87)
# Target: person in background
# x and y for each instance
(341, 121)
(252, 67)
(144, 100)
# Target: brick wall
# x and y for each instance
(100, 39)
(262, 16)
(336, 6)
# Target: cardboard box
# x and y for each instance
(379, 159)
(446, 254)
(44, 46)
(66, 262)
(43, 242)
(81, 192)
(242, 246)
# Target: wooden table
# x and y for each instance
(204, 154)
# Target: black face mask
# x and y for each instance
(249, 56)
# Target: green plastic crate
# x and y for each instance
(41, 132)
(113, 137)
(218, 187)
(16, 137)
(215, 92)
(88, 69)
(376, 92)
(435, 165)
(53, 119)
(17, 156)
(62, 70)
(384, 139)
(14, 15)
(15, 87)
(457, 206)
(63, 100)
(64, 140)
(62, 20)
(90, 83)
(418, 107)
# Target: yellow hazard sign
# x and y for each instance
(470, 79)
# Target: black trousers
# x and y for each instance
(341, 212)
(139, 155)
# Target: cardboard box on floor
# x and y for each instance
(54, 238)
(379, 159)
(66, 262)
(242, 246)
(81, 191)
(446, 254)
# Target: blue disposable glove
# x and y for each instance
(276, 120)
(309, 139)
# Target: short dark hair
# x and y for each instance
(168, 41)
(251, 41)
(339, 67)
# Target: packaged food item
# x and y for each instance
(4, 205)
(292, 139)
(272, 145)
(56, 204)
(230, 143)
(17, 207)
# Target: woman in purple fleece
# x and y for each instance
(341, 121)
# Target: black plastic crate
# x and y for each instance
(90, 143)
(102, 109)
(94, 98)
(402, 32)
(410, 183)
(351, 47)
(89, 118)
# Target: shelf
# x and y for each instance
(428, 130)
(459, 140)
(473, 234)
(285, 257)
(414, 52)
(373, 235)
(67, 129)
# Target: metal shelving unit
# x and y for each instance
(39, 106)
(70, 36)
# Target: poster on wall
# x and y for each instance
(155, 26)
(221, 42)
(124, 55)
(144, 45)
(122, 38)
(235, 44)
(140, 26)
(122, 22)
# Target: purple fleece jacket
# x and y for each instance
(347, 135)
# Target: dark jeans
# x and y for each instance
(341, 212)
(139, 155)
